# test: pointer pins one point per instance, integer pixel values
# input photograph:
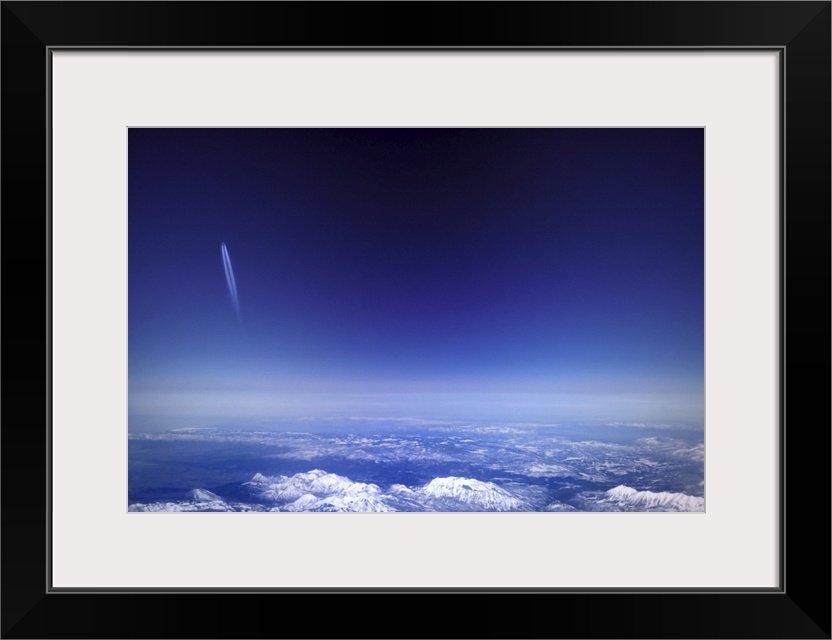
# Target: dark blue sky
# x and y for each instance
(527, 274)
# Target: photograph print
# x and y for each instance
(416, 319)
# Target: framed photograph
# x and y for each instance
(498, 300)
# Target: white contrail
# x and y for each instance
(229, 278)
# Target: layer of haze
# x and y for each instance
(511, 275)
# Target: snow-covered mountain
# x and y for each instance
(203, 495)
(317, 490)
(470, 494)
(344, 502)
(197, 500)
(630, 499)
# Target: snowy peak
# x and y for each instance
(258, 478)
(342, 502)
(653, 501)
(196, 500)
(476, 494)
(203, 495)
(317, 490)
(304, 503)
(622, 493)
(402, 489)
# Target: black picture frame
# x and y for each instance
(799, 608)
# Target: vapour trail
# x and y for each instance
(229, 278)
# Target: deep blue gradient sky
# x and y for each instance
(482, 274)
